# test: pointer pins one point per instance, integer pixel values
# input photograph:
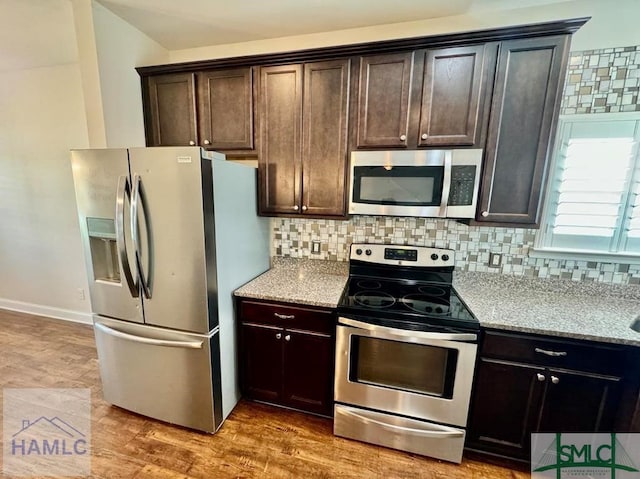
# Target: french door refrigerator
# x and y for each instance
(168, 234)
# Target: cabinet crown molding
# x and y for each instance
(558, 27)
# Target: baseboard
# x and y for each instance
(47, 311)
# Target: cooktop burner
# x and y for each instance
(374, 299)
(386, 288)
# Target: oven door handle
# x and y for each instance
(408, 333)
(393, 427)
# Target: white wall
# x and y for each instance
(41, 118)
(88, 97)
(612, 24)
(120, 48)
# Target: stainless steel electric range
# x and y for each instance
(405, 352)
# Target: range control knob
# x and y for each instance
(368, 252)
(358, 251)
(434, 256)
(445, 257)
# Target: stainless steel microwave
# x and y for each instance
(428, 183)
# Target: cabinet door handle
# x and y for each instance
(284, 316)
(541, 377)
(287, 337)
(550, 353)
(295, 208)
(304, 208)
(207, 142)
(278, 336)
(192, 143)
(555, 379)
(403, 137)
(424, 136)
(485, 214)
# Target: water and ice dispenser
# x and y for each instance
(104, 251)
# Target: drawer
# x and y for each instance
(552, 352)
(291, 317)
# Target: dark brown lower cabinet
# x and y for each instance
(513, 399)
(262, 361)
(286, 355)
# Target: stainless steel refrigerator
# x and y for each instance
(168, 234)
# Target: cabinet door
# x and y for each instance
(524, 111)
(261, 359)
(579, 402)
(383, 103)
(279, 164)
(308, 371)
(171, 110)
(225, 109)
(451, 96)
(505, 407)
(324, 152)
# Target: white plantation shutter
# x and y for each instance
(593, 200)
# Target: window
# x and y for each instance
(593, 200)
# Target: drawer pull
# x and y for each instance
(541, 377)
(284, 316)
(555, 379)
(550, 353)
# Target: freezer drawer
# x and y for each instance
(163, 374)
(397, 432)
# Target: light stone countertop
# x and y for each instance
(564, 308)
(592, 311)
(299, 281)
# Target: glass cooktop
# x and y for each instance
(407, 304)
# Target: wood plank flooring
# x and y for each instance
(256, 441)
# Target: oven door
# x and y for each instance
(418, 374)
(400, 183)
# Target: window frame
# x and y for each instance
(541, 248)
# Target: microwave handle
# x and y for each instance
(446, 184)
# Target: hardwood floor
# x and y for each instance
(256, 441)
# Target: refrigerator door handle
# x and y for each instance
(124, 189)
(135, 233)
(151, 341)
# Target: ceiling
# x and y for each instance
(38, 33)
(195, 23)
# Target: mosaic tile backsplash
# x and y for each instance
(602, 81)
(598, 81)
(292, 237)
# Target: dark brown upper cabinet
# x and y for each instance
(223, 119)
(170, 110)
(383, 100)
(279, 162)
(303, 138)
(524, 110)
(427, 98)
(453, 94)
(225, 107)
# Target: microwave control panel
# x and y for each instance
(462, 181)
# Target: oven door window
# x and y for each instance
(398, 185)
(403, 366)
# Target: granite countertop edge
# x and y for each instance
(320, 283)
(559, 334)
(299, 281)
